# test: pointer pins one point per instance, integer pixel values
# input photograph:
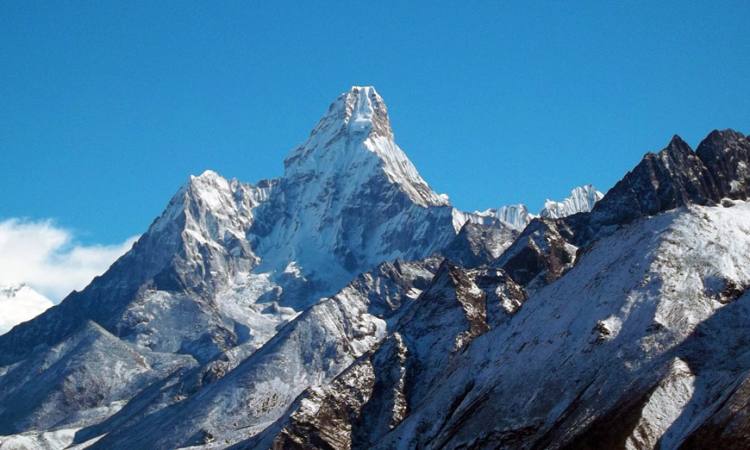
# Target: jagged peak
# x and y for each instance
(677, 146)
(581, 199)
(206, 175)
(210, 194)
(363, 111)
(208, 187)
(719, 140)
(356, 114)
(354, 141)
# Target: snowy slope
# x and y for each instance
(310, 350)
(636, 295)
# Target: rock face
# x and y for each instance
(479, 243)
(677, 176)
(373, 396)
(347, 305)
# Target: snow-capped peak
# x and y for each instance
(581, 199)
(210, 187)
(353, 144)
(367, 110)
(514, 216)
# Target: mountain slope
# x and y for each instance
(637, 294)
(648, 292)
(312, 349)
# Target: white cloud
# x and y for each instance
(19, 304)
(47, 258)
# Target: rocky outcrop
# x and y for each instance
(677, 176)
(479, 244)
(540, 255)
(376, 393)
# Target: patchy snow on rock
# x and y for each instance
(645, 279)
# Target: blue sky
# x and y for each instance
(107, 107)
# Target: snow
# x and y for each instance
(581, 199)
(50, 440)
(645, 284)
(514, 216)
(664, 405)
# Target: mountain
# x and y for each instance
(581, 199)
(237, 262)
(515, 217)
(639, 340)
(347, 305)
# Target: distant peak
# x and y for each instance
(581, 199)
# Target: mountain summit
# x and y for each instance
(354, 142)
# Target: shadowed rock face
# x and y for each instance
(677, 176)
(540, 255)
(674, 177)
(479, 244)
(729, 427)
(726, 155)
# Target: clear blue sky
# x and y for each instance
(106, 107)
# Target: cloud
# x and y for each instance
(48, 259)
(19, 304)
